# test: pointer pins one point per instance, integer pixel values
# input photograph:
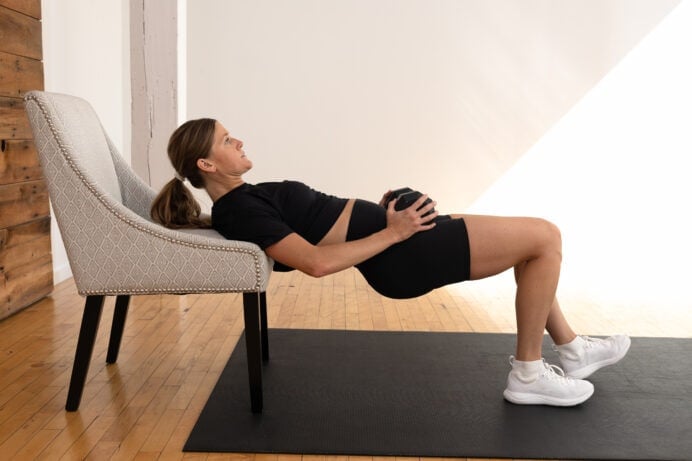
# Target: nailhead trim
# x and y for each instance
(160, 291)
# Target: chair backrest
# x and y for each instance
(75, 136)
(89, 152)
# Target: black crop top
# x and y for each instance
(267, 212)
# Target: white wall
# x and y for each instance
(357, 96)
(86, 54)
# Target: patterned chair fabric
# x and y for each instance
(102, 209)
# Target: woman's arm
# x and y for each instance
(317, 261)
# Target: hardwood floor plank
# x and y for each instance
(62, 443)
(163, 430)
(37, 444)
(135, 439)
(26, 421)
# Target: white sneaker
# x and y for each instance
(585, 355)
(549, 387)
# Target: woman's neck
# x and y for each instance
(216, 189)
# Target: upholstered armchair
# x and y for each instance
(114, 249)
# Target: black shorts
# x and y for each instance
(427, 260)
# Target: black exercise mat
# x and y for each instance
(440, 395)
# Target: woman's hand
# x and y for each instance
(403, 224)
(385, 197)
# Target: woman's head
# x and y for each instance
(192, 141)
(175, 206)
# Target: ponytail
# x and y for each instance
(175, 207)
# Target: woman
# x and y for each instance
(401, 254)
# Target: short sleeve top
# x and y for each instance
(267, 212)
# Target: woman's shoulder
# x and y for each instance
(247, 194)
(293, 184)
(248, 198)
(279, 189)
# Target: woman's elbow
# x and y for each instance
(319, 267)
(310, 261)
(318, 270)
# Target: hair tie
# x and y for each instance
(179, 177)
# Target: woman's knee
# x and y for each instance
(548, 237)
(548, 244)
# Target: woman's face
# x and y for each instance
(227, 156)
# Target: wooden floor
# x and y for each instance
(175, 347)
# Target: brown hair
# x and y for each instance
(175, 206)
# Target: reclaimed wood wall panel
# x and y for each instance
(18, 162)
(28, 7)
(14, 123)
(23, 285)
(26, 266)
(19, 235)
(20, 34)
(19, 254)
(18, 75)
(23, 202)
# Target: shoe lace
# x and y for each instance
(590, 342)
(554, 373)
(550, 372)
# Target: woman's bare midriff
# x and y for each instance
(337, 234)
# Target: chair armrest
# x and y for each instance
(116, 251)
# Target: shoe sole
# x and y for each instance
(520, 398)
(588, 370)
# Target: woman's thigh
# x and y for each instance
(499, 243)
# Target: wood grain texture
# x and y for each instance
(19, 162)
(25, 232)
(18, 75)
(20, 34)
(24, 284)
(14, 123)
(26, 268)
(28, 7)
(23, 202)
(24, 244)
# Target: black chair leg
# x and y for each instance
(85, 346)
(253, 342)
(264, 328)
(122, 302)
